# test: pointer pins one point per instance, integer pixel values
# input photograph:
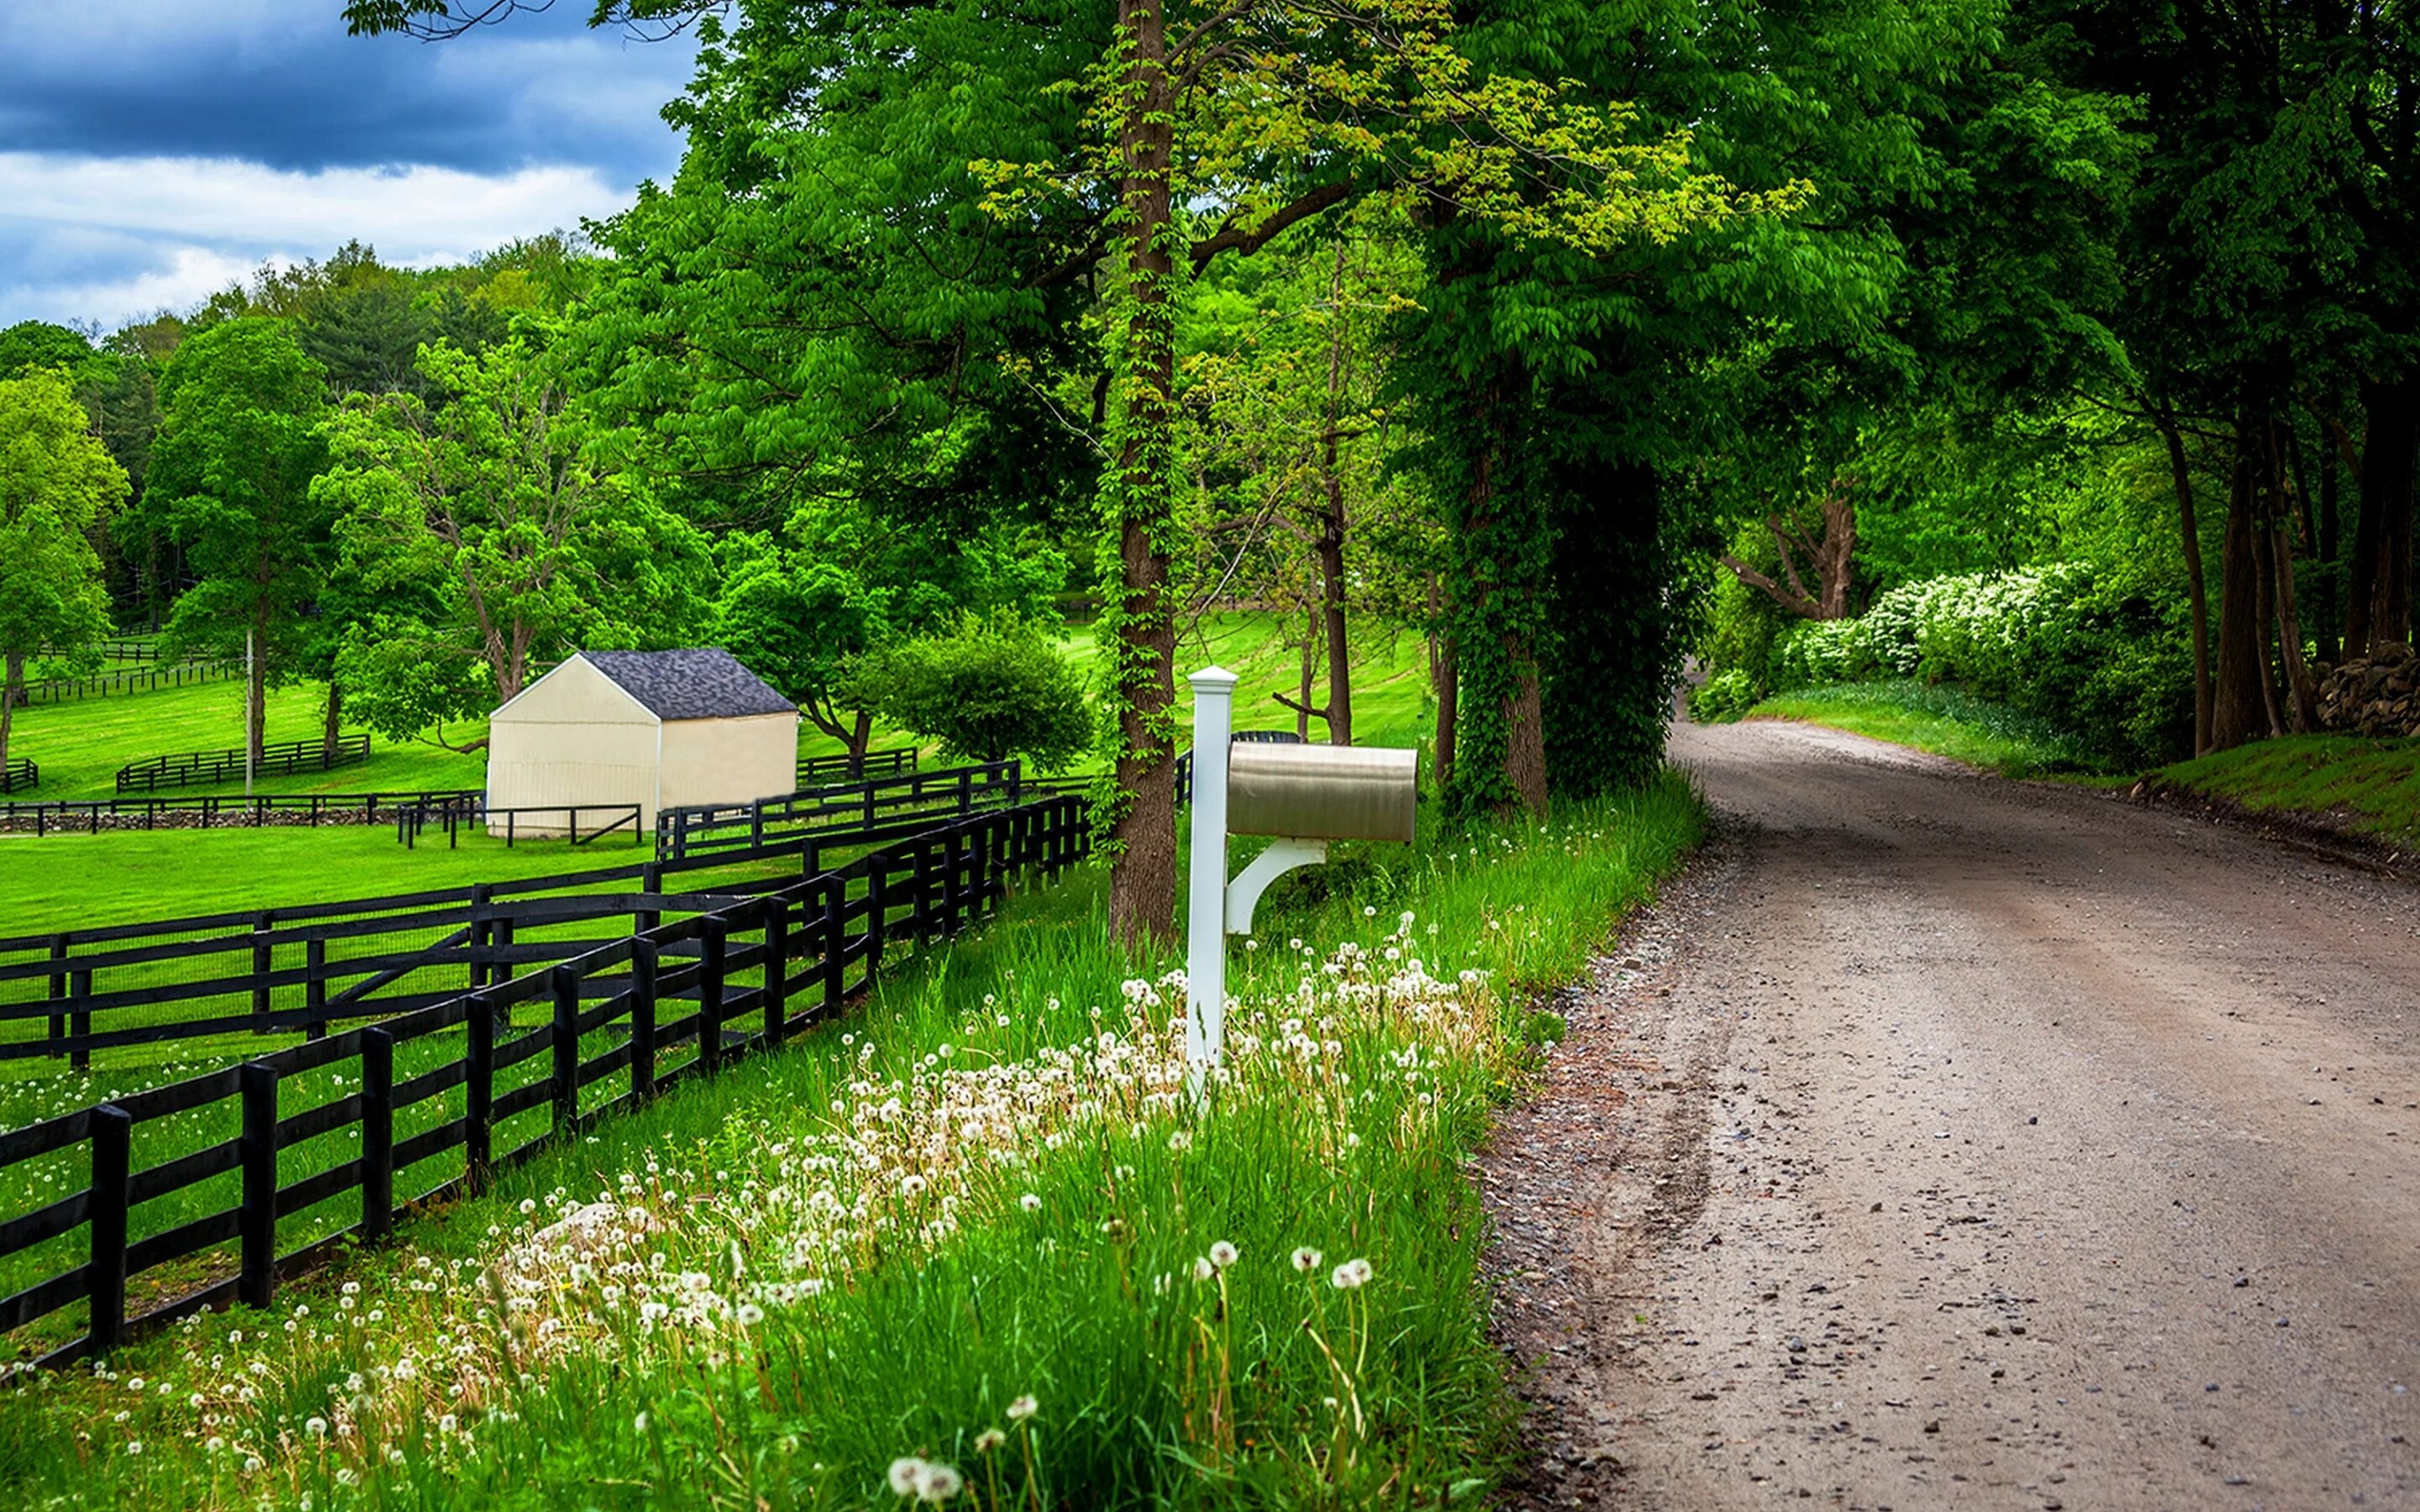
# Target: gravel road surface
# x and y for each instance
(1948, 1142)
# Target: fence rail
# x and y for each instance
(816, 770)
(200, 768)
(216, 811)
(845, 808)
(175, 674)
(471, 811)
(18, 774)
(476, 1088)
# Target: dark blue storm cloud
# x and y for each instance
(278, 82)
(153, 150)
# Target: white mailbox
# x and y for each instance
(1304, 796)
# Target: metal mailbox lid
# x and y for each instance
(1323, 792)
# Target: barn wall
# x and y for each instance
(730, 761)
(572, 737)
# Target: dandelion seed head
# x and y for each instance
(1306, 1259)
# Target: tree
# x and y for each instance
(803, 612)
(987, 692)
(231, 475)
(57, 486)
(489, 539)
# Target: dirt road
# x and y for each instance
(1944, 1142)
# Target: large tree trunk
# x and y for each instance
(2197, 586)
(332, 733)
(861, 734)
(2302, 709)
(2388, 454)
(1525, 754)
(1331, 526)
(1448, 695)
(2328, 612)
(1142, 876)
(2241, 698)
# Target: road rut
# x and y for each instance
(1948, 1142)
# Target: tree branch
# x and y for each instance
(1233, 237)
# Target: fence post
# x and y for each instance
(377, 1133)
(777, 971)
(80, 991)
(58, 987)
(921, 914)
(112, 1143)
(262, 955)
(877, 875)
(711, 937)
(315, 989)
(257, 1219)
(642, 1021)
(835, 942)
(480, 909)
(567, 1048)
(479, 1090)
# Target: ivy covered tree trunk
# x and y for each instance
(1142, 620)
(1500, 541)
(1615, 657)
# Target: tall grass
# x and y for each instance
(979, 1238)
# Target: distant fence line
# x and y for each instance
(216, 811)
(729, 968)
(202, 769)
(19, 774)
(175, 674)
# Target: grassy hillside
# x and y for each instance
(2356, 783)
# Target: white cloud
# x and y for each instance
(108, 238)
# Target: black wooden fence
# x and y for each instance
(19, 773)
(200, 768)
(582, 823)
(847, 808)
(303, 968)
(814, 771)
(178, 674)
(218, 810)
(465, 1078)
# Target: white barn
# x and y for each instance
(658, 728)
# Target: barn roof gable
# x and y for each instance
(700, 682)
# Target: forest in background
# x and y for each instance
(2064, 351)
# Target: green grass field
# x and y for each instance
(1938, 719)
(2365, 786)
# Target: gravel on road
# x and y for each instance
(1947, 1142)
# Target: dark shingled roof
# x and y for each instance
(702, 682)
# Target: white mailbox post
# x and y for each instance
(1301, 795)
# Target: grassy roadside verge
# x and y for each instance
(1941, 721)
(2355, 784)
(987, 1193)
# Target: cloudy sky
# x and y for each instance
(154, 150)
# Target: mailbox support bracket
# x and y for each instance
(1283, 855)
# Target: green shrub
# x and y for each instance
(990, 690)
(2098, 653)
(1723, 697)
